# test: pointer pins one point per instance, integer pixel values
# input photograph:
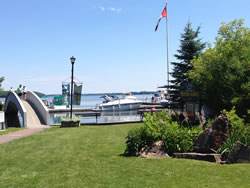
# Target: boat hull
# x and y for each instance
(60, 107)
(120, 107)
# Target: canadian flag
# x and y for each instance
(163, 14)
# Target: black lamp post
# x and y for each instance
(72, 59)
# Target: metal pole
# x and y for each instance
(167, 44)
(71, 96)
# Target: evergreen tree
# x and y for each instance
(1, 91)
(190, 47)
(1, 80)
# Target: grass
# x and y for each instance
(90, 156)
(9, 130)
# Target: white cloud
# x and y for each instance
(102, 8)
(112, 9)
(117, 10)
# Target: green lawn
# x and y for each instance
(9, 130)
(90, 156)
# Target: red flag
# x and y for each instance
(163, 14)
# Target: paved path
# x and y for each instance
(32, 119)
(19, 134)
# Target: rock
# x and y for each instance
(213, 136)
(157, 150)
(210, 157)
(240, 153)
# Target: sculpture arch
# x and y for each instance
(13, 105)
(30, 113)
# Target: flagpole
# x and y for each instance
(167, 44)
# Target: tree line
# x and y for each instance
(4, 93)
(220, 74)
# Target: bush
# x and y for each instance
(239, 132)
(180, 139)
(136, 140)
(160, 126)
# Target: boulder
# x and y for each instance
(157, 150)
(210, 157)
(240, 153)
(213, 136)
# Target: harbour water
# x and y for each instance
(91, 101)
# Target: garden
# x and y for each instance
(178, 138)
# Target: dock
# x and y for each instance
(148, 106)
(145, 105)
(74, 110)
(96, 113)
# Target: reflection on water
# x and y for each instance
(55, 118)
(104, 117)
(119, 116)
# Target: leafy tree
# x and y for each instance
(222, 72)
(190, 47)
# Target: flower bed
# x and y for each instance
(71, 122)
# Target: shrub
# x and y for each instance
(180, 139)
(136, 140)
(160, 126)
(239, 132)
(157, 123)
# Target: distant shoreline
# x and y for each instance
(4, 94)
(133, 93)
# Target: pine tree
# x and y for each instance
(1, 91)
(190, 47)
(1, 80)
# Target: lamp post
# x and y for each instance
(72, 59)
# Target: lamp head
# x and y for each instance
(72, 59)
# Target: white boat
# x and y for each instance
(113, 103)
(161, 97)
(46, 101)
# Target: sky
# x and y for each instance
(114, 42)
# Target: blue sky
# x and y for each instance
(114, 42)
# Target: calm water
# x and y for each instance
(91, 101)
(105, 117)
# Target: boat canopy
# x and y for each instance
(58, 100)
